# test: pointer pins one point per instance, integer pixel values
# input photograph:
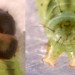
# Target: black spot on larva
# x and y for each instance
(61, 11)
(10, 51)
(74, 11)
(7, 23)
(41, 4)
(61, 26)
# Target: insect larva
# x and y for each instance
(9, 64)
(58, 18)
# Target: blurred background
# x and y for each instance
(36, 47)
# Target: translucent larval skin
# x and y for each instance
(58, 20)
(9, 60)
(10, 67)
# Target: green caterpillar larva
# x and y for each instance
(58, 20)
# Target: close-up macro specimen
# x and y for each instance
(58, 20)
(50, 37)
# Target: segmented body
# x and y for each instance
(58, 20)
(9, 63)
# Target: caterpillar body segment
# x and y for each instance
(9, 61)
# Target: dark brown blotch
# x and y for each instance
(10, 51)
